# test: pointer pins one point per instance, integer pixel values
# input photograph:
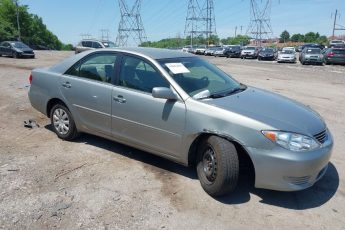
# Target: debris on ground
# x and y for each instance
(31, 124)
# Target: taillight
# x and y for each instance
(331, 54)
(30, 78)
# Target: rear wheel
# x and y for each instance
(217, 166)
(63, 123)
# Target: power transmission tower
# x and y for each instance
(130, 25)
(335, 25)
(200, 20)
(260, 20)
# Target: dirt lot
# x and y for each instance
(98, 184)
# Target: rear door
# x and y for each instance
(87, 89)
(141, 119)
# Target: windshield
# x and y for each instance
(234, 48)
(198, 78)
(250, 48)
(313, 51)
(19, 45)
(287, 52)
(267, 50)
(109, 44)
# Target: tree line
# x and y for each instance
(309, 37)
(199, 40)
(33, 31)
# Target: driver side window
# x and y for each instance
(140, 75)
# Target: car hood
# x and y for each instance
(286, 55)
(23, 49)
(272, 109)
(313, 55)
(248, 51)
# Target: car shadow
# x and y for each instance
(312, 197)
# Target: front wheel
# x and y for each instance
(15, 55)
(63, 123)
(217, 166)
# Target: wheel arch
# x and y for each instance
(51, 103)
(245, 161)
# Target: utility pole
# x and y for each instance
(200, 20)
(260, 20)
(131, 25)
(18, 26)
(235, 30)
(335, 25)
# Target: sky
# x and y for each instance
(68, 19)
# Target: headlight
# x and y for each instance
(292, 141)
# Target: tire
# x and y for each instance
(63, 123)
(15, 55)
(217, 166)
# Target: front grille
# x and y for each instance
(321, 137)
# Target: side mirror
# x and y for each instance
(164, 93)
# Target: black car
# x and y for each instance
(16, 49)
(267, 54)
(233, 51)
(334, 56)
(311, 45)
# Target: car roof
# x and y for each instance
(154, 53)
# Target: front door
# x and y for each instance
(138, 118)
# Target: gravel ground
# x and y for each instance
(94, 183)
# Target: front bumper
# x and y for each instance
(284, 170)
(292, 60)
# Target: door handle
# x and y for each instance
(119, 99)
(67, 85)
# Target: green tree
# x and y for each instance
(310, 37)
(297, 38)
(32, 29)
(284, 37)
(239, 39)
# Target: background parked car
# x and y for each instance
(311, 55)
(90, 44)
(233, 51)
(286, 56)
(220, 52)
(210, 50)
(337, 43)
(200, 49)
(250, 52)
(334, 56)
(16, 49)
(267, 54)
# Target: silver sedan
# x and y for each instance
(180, 107)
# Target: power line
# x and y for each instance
(260, 20)
(200, 20)
(131, 25)
(105, 34)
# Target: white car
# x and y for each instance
(287, 55)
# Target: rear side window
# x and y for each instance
(98, 67)
(86, 43)
(96, 45)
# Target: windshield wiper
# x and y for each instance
(236, 90)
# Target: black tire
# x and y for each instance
(15, 55)
(72, 131)
(217, 166)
